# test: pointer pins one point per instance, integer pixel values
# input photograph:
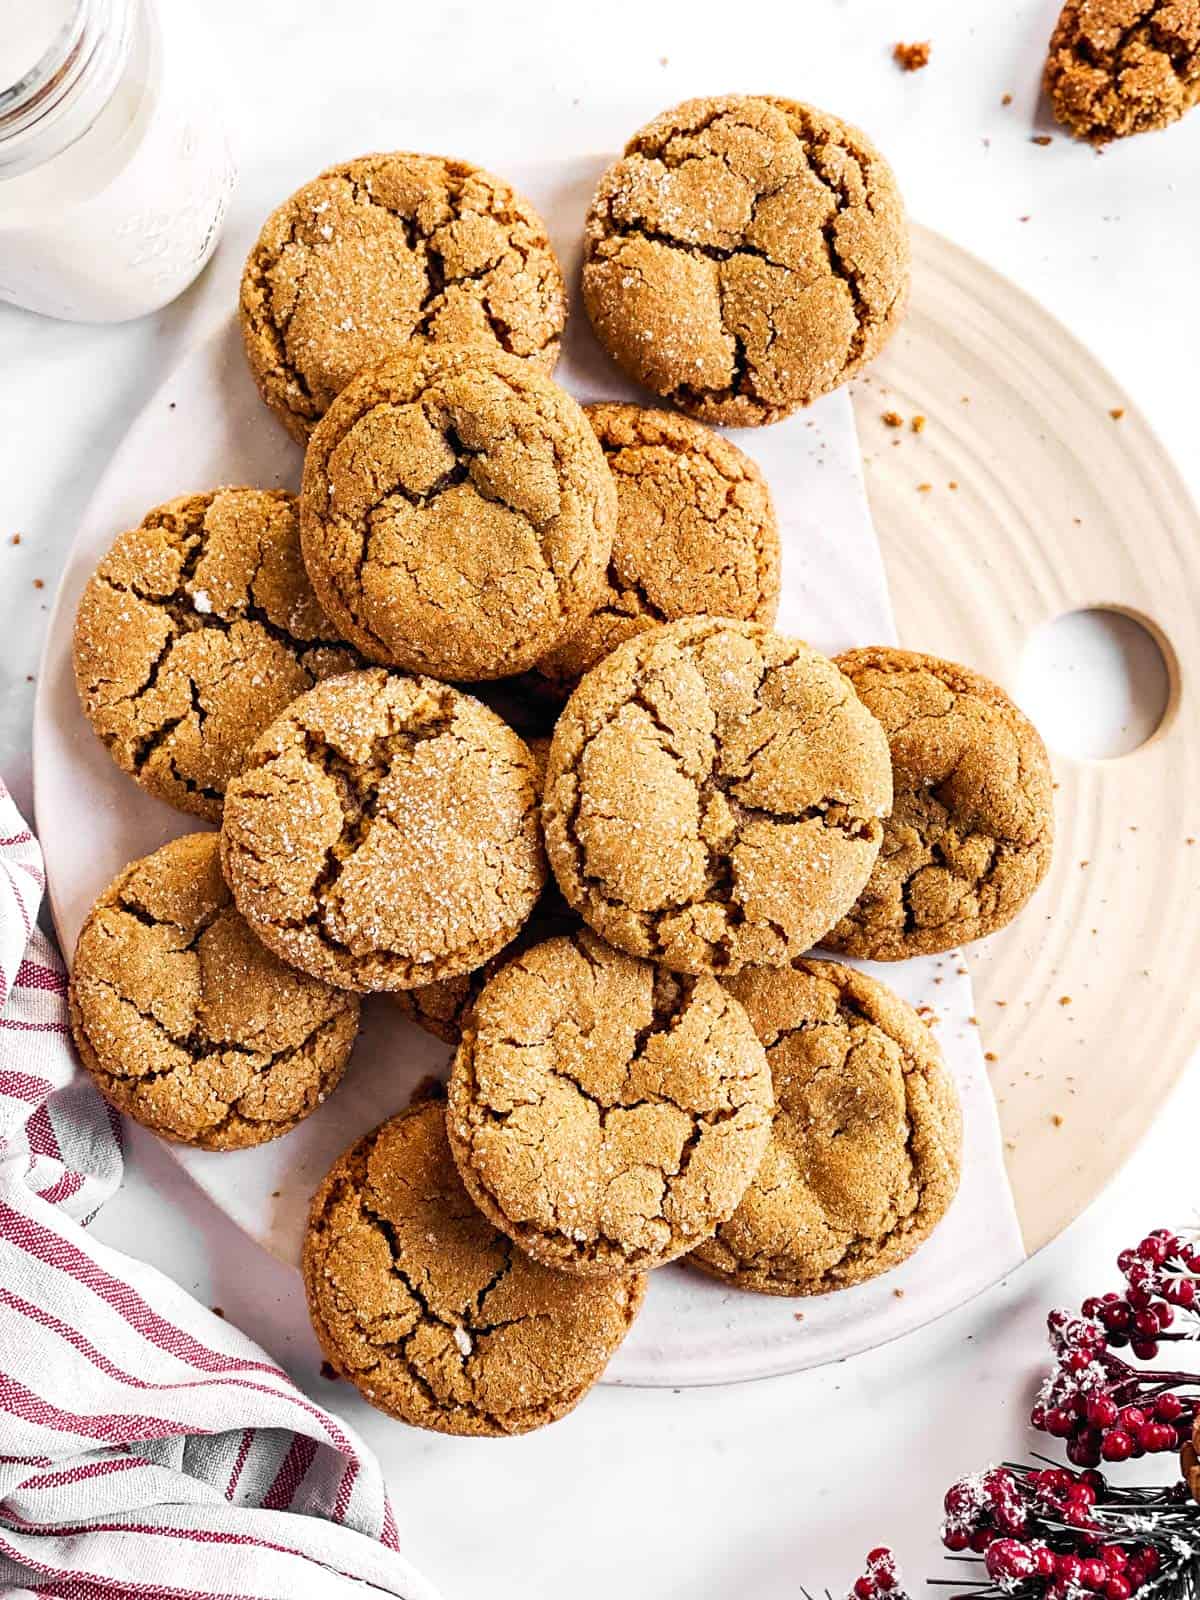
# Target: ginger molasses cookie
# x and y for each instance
(715, 796)
(385, 250)
(972, 823)
(744, 256)
(186, 1022)
(1118, 67)
(197, 628)
(457, 514)
(696, 534)
(604, 1112)
(866, 1145)
(433, 1315)
(385, 833)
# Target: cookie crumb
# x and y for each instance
(918, 424)
(797, 1316)
(899, 1293)
(912, 57)
(1057, 1120)
(218, 1311)
(1064, 999)
(329, 1372)
(953, 484)
(1117, 413)
(1006, 99)
(39, 583)
(1042, 139)
(990, 1055)
(892, 419)
(16, 539)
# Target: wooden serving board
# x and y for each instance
(1090, 1001)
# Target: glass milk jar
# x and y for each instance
(114, 173)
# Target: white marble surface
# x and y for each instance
(703, 1493)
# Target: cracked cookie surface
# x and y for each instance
(605, 1113)
(714, 796)
(1118, 67)
(744, 256)
(696, 534)
(385, 832)
(196, 630)
(385, 250)
(457, 513)
(866, 1147)
(433, 1315)
(972, 824)
(185, 1021)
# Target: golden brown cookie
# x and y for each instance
(434, 1316)
(1118, 67)
(186, 1022)
(603, 1112)
(715, 796)
(744, 256)
(866, 1147)
(385, 833)
(972, 824)
(385, 250)
(457, 514)
(195, 631)
(696, 534)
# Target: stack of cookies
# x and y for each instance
(609, 919)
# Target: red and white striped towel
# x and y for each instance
(147, 1448)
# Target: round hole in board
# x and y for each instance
(1099, 683)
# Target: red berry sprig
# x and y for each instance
(1051, 1534)
(1104, 1408)
(881, 1579)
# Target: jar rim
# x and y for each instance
(57, 100)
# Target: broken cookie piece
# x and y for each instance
(866, 1146)
(186, 1023)
(972, 824)
(744, 256)
(195, 631)
(434, 1316)
(1118, 67)
(604, 1113)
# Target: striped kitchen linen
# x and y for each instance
(147, 1448)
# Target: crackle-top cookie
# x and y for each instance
(186, 1022)
(197, 628)
(715, 796)
(604, 1112)
(744, 256)
(866, 1146)
(1118, 67)
(385, 833)
(433, 1315)
(385, 250)
(696, 534)
(457, 513)
(972, 824)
